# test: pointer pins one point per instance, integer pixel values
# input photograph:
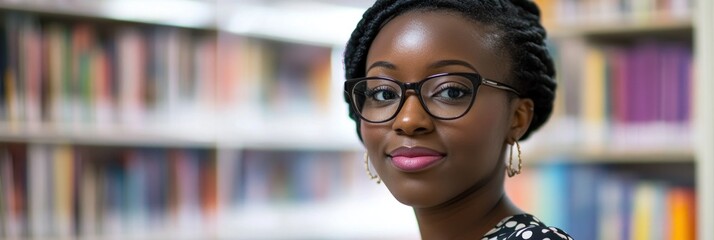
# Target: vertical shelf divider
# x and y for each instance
(704, 117)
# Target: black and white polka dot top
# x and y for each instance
(524, 226)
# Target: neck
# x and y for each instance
(469, 215)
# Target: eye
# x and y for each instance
(382, 93)
(452, 92)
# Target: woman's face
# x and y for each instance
(469, 149)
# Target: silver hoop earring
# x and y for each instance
(513, 172)
(369, 173)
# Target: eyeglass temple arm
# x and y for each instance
(498, 85)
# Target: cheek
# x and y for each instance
(476, 131)
(478, 136)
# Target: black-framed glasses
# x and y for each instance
(444, 96)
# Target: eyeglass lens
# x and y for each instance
(443, 97)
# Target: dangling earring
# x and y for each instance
(369, 173)
(513, 172)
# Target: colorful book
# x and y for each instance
(4, 65)
(682, 214)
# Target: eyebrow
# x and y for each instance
(383, 64)
(444, 63)
(438, 64)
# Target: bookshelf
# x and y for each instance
(704, 137)
(235, 135)
(139, 115)
(624, 28)
(656, 156)
(182, 13)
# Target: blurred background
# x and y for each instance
(224, 119)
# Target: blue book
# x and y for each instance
(583, 209)
(554, 193)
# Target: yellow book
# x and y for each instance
(593, 98)
(56, 70)
(641, 219)
(63, 187)
(594, 86)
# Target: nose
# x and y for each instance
(412, 119)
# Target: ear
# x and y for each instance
(523, 110)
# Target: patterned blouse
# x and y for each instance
(524, 226)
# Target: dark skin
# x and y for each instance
(462, 196)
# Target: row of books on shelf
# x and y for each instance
(59, 71)
(68, 191)
(289, 78)
(638, 94)
(635, 94)
(594, 202)
(82, 191)
(574, 12)
(649, 81)
(295, 177)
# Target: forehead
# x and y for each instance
(417, 39)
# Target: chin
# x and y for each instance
(413, 202)
(414, 194)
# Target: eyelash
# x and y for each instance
(371, 92)
(453, 85)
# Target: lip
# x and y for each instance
(415, 159)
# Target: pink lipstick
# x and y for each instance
(415, 159)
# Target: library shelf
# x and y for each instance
(597, 129)
(296, 134)
(301, 22)
(620, 28)
(107, 136)
(182, 13)
(662, 154)
(326, 220)
(704, 117)
(276, 134)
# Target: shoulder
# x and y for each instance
(525, 226)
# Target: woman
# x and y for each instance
(441, 91)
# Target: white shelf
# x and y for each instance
(309, 22)
(292, 21)
(179, 13)
(276, 134)
(339, 135)
(373, 215)
(106, 136)
(302, 22)
(704, 117)
(293, 133)
(658, 154)
(641, 143)
(621, 27)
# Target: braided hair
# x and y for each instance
(523, 38)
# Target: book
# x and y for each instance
(682, 214)
(4, 65)
(605, 202)
(40, 180)
(63, 173)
